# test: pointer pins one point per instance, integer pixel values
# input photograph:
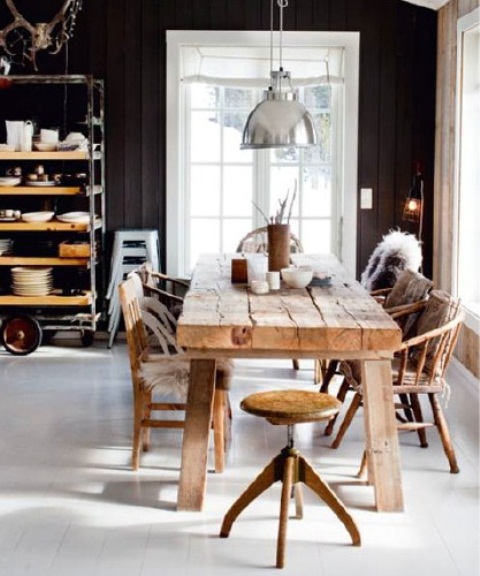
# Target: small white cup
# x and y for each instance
(259, 287)
(273, 279)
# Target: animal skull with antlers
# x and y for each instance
(42, 35)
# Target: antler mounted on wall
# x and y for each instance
(21, 38)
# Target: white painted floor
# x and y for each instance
(69, 505)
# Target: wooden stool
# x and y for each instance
(290, 407)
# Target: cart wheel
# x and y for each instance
(21, 334)
(87, 338)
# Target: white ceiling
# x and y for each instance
(434, 4)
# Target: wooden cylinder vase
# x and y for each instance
(278, 246)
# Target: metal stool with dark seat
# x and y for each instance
(287, 408)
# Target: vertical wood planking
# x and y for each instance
(386, 199)
(152, 170)
(114, 113)
(369, 122)
(134, 197)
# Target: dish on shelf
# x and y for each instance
(35, 270)
(75, 217)
(38, 216)
(44, 146)
(34, 291)
(32, 280)
(5, 246)
(40, 183)
(7, 147)
(9, 181)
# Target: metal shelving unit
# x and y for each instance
(69, 306)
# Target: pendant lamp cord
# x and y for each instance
(282, 4)
(271, 35)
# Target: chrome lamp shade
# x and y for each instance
(279, 121)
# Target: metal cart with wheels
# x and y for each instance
(71, 188)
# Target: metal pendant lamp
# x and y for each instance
(280, 120)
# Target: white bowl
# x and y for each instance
(37, 216)
(297, 277)
(45, 146)
(9, 181)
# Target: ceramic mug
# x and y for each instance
(48, 136)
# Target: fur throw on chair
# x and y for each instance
(395, 253)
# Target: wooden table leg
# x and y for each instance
(381, 436)
(193, 473)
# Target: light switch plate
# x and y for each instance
(366, 198)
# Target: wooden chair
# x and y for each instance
(164, 374)
(287, 408)
(168, 290)
(419, 368)
(166, 305)
(404, 302)
(256, 242)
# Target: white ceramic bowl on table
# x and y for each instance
(297, 277)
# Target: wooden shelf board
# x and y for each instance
(50, 300)
(56, 155)
(40, 191)
(52, 226)
(42, 261)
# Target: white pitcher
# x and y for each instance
(15, 133)
(27, 135)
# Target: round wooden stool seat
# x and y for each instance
(285, 407)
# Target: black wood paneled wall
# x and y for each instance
(123, 41)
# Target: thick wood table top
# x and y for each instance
(341, 320)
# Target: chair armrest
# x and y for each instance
(166, 278)
(380, 292)
(406, 309)
(417, 341)
(151, 291)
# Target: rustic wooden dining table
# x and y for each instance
(337, 321)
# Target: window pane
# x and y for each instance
(205, 191)
(232, 138)
(233, 232)
(285, 155)
(238, 98)
(316, 191)
(237, 191)
(203, 96)
(205, 137)
(316, 236)
(204, 238)
(282, 181)
(317, 97)
(322, 152)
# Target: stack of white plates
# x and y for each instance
(5, 246)
(32, 280)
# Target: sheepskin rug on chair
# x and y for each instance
(396, 252)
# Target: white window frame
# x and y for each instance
(175, 212)
(464, 24)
